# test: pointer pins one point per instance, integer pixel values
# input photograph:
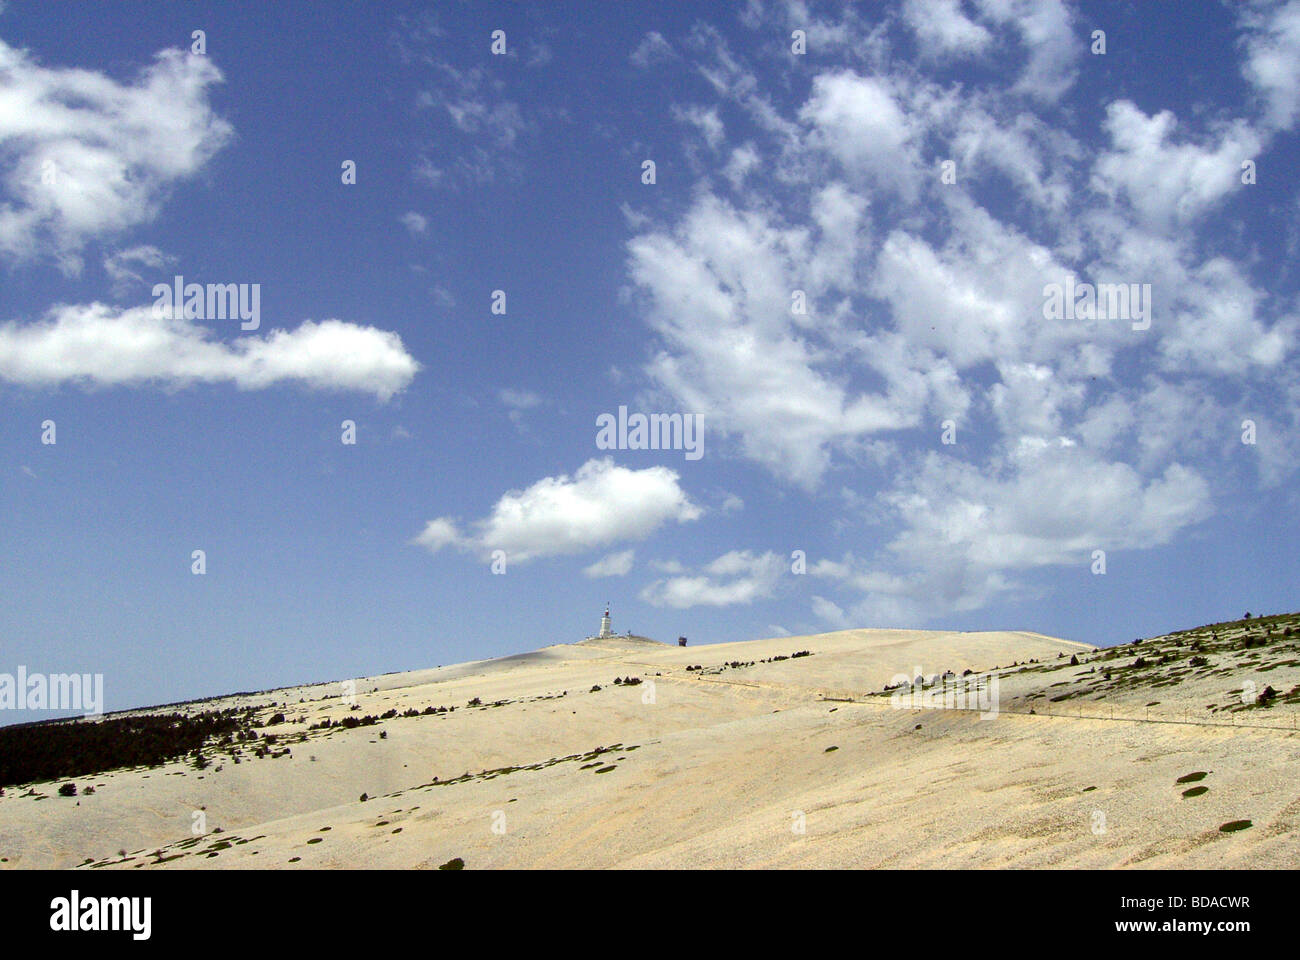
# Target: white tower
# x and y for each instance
(605, 631)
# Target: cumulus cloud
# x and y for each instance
(719, 291)
(925, 301)
(862, 123)
(1167, 184)
(1046, 30)
(90, 156)
(1272, 63)
(1216, 325)
(99, 345)
(943, 29)
(979, 297)
(738, 577)
(437, 534)
(601, 504)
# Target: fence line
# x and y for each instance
(1185, 718)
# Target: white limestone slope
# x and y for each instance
(721, 767)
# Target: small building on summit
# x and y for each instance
(607, 631)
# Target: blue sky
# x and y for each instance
(128, 159)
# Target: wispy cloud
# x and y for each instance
(737, 577)
(612, 565)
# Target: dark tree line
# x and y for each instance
(60, 750)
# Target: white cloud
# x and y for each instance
(652, 49)
(503, 122)
(942, 29)
(612, 565)
(99, 345)
(738, 577)
(90, 157)
(517, 403)
(415, 223)
(519, 399)
(979, 298)
(1167, 184)
(119, 267)
(720, 296)
(491, 126)
(475, 102)
(1047, 503)
(1046, 29)
(829, 611)
(1216, 327)
(437, 534)
(862, 123)
(600, 504)
(705, 120)
(1032, 400)
(744, 160)
(925, 301)
(1037, 158)
(1273, 62)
